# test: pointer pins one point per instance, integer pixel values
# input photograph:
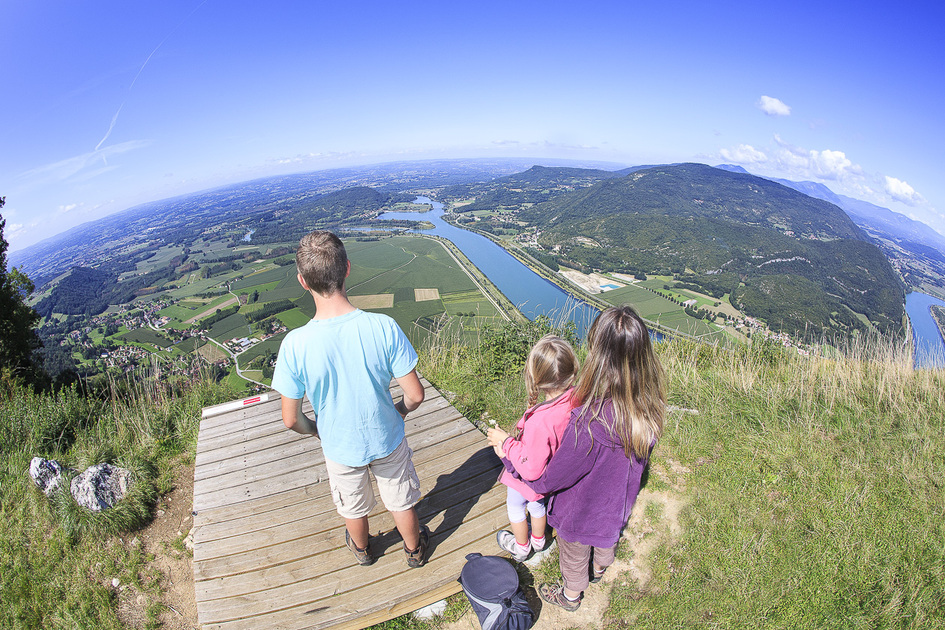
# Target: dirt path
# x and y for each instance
(166, 539)
(230, 302)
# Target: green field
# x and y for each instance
(294, 318)
(658, 309)
(230, 327)
(268, 346)
(146, 335)
(261, 281)
(180, 312)
(392, 266)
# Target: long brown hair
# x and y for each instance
(622, 367)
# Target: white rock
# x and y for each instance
(116, 582)
(435, 609)
(46, 474)
(101, 486)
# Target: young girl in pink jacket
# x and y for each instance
(550, 370)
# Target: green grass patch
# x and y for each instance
(230, 327)
(262, 348)
(179, 312)
(294, 318)
(148, 336)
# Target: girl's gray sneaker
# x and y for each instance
(506, 541)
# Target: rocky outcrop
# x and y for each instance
(101, 486)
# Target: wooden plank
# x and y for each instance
(453, 495)
(270, 546)
(290, 496)
(292, 471)
(308, 507)
(315, 556)
(256, 443)
(281, 544)
(268, 420)
(253, 416)
(381, 580)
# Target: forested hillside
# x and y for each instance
(799, 263)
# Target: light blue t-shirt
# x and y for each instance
(344, 365)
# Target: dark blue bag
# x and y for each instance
(490, 583)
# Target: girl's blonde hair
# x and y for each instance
(622, 366)
(551, 367)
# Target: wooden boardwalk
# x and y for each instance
(269, 547)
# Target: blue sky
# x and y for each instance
(109, 104)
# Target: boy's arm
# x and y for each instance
(294, 419)
(413, 393)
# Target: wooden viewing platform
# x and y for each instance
(269, 547)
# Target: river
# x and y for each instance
(535, 295)
(929, 345)
(532, 294)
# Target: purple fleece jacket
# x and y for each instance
(593, 485)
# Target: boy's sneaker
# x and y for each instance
(554, 594)
(418, 557)
(363, 556)
(507, 542)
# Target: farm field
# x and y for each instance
(413, 280)
(385, 277)
(658, 309)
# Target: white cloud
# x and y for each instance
(812, 164)
(773, 106)
(901, 191)
(67, 208)
(795, 162)
(832, 164)
(743, 154)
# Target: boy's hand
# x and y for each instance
(497, 437)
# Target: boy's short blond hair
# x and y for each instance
(322, 262)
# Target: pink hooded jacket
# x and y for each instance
(540, 431)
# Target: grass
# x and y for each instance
(814, 497)
(59, 561)
(812, 487)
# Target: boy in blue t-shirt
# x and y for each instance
(343, 360)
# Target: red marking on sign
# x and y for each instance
(250, 401)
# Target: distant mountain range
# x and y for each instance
(793, 253)
(915, 249)
(798, 262)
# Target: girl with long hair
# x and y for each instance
(594, 476)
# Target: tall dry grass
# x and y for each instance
(815, 495)
(58, 560)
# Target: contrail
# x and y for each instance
(110, 127)
(140, 70)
